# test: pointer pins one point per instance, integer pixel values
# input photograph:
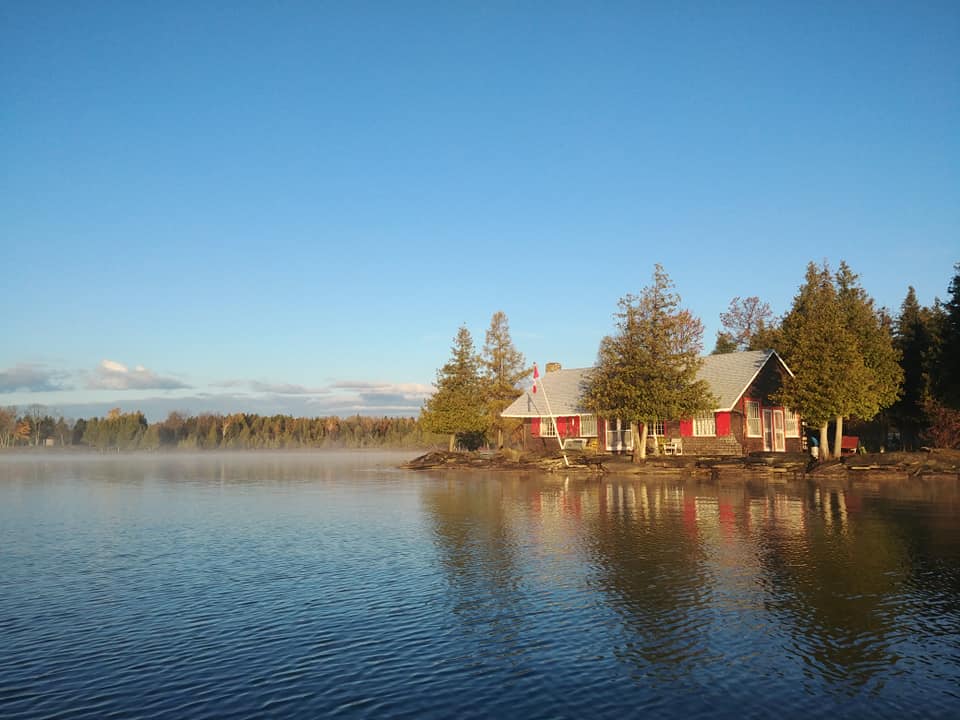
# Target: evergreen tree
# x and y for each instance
(822, 353)
(503, 370)
(914, 341)
(457, 408)
(726, 343)
(946, 379)
(767, 338)
(873, 333)
(647, 369)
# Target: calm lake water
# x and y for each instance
(308, 585)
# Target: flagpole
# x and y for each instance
(550, 414)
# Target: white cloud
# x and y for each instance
(112, 375)
(111, 366)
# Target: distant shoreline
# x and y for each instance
(77, 451)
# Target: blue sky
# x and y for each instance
(292, 206)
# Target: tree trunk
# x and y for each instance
(824, 442)
(838, 438)
(499, 438)
(639, 442)
(453, 440)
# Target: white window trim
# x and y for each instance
(619, 437)
(758, 419)
(656, 429)
(588, 426)
(548, 428)
(788, 431)
(705, 425)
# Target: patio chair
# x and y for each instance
(674, 446)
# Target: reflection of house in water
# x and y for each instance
(780, 511)
(705, 513)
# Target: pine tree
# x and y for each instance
(726, 343)
(946, 380)
(913, 339)
(457, 407)
(503, 370)
(646, 370)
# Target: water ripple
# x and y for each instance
(158, 591)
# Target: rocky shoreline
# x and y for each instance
(895, 465)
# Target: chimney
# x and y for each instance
(552, 367)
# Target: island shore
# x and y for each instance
(893, 465)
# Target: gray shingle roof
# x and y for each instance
(728, 375)
(561, 388)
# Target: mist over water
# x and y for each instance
(315, 584)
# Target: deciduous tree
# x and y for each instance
(35, 414)
(8, 423)
(21, 433)
(647, 369)
(745, 318)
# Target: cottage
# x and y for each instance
(745, 420)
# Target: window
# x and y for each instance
(547, 427)
(588, 426)
(791, 423)
(656, 428)
(619, 437)
(704, 425)
(754, 429)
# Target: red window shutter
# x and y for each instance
(723, 423)
(686, 428)
(535, 427)
(575, 426)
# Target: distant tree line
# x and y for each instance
(239, 431)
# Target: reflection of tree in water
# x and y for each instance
(649, 559)
(840, 589)
(479, 555)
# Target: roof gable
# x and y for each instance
(730, 374)
(562, 389)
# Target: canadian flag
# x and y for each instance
(536, 375)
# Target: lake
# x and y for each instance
(335, 585)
